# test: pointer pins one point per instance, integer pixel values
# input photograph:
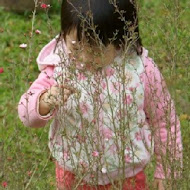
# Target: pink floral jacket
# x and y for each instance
(107, 126)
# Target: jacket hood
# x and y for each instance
(49, 55)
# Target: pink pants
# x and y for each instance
(65, 180)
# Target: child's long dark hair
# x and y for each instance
(113, 21)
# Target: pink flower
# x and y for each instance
(44, 6)
(38, 31)
(1, 70)
(73, 42)
(104, 171)
(138, 136)
(107, 133)
(95, 153)
(94, 121)
(128, 100)
(110, 71)
(84, 108)
(81, 76)
(4, 184)
(127, 158)
(23, 46)
(132, 89)
(128, 148)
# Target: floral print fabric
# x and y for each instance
(102, 128)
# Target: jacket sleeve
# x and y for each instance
(161, 116)
(29, 103)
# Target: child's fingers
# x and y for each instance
(55, 90)
(68, 87)
(66, 92)
(58, 94)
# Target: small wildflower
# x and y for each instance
(95, 153)
(38, 31)
(132, 89)
(23, 46)
(44, 6)
(1, 70)
(4, 184)
(94, 121)
(110, 71)
(73, 42)
(107, 133)
(81, 76)
(104, 170)
(128, 148)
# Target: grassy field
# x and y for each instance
(25, 162)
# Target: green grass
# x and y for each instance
(24, 150)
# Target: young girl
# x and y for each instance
(110, 104)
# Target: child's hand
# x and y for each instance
(53, 97)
